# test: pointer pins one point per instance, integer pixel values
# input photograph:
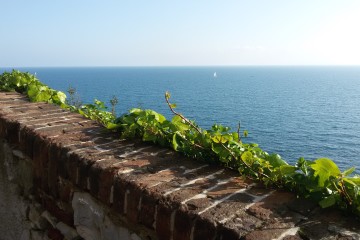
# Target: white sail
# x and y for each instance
(215, 75)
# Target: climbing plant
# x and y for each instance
(320, 179)
(28, 84)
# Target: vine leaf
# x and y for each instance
(179, 123)
(175, 144)
(325, 168)
(287, 169)
(61, 97)
(348, 171)
(247, 157)
(328, 201)
(275, 160)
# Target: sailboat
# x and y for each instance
(215, 75)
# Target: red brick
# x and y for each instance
(27, 138)
(12, 132)
(228, 188)
(63, 168)
(85, 174)
(105, 180)
(54, 156)
(40, 163)
(274, 204)
(163, 220)
(204, 228)
(264, 234)
(238, 225)
(183, 223)
(120, 187)
(229, 207)
(147, 210)
(133, 200)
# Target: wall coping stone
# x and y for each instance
(156, 188)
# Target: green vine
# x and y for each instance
(320, 179)
(28, 84)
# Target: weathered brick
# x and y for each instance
(40, 163)
(64, 162)
(163, 219)
(149, 201)
(27, 138)
(228, 188)
(86, 174)
(273, 204)
(134, 195)
(204, 228)
(52, 175)
(120, 187)
(279, 220)
(230, 207)
(72, 167)
(156, 178)
(12, 132)
(183, 222)
(105, 179)
(264, 234)
(238, 225)
(198, 204)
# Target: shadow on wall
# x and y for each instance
(15, 183)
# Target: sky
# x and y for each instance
(179, 33)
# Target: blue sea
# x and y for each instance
(309, 112)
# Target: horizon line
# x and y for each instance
(163, 66)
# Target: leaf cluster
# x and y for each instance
(96, 111)
(26, 83)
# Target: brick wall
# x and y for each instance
(95, 186)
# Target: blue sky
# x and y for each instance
(179, 33)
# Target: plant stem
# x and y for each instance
(181, 116)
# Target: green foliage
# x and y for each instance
(324, 170)
(320, 180)
(27, 83)
(97, 112)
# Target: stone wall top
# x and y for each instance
(156, 188)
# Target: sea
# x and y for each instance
(302, 111)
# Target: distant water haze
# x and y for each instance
(309, 112)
